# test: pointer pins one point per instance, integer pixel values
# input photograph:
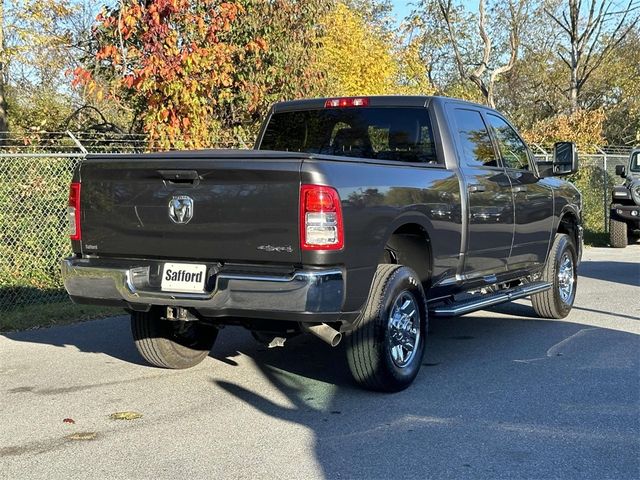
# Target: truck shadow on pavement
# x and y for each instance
(507, 397)
(526, 310)
(110, 336)
(626, 273)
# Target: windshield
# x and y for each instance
(400, 134)
(634, 166)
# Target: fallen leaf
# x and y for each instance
(68, 420)
(125, 415)
(82, 436)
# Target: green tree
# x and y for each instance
(34, 44)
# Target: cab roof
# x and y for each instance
(372, 101)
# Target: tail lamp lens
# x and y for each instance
(320, 218)
(73, 211)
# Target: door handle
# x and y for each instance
(189, 177)
(477, 188)
(519, 188)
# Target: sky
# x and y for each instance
(402, 9)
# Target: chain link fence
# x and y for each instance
(595, 178)
(33, 196)
(35, 171)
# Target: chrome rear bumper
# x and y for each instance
(303, 291)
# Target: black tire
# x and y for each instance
(618, 234)
(369, 346)
(551, 303)
(170, 343)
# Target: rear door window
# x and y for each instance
(398, 134)
(477, 147)
(513, 150)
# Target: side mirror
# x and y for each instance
(565, 158)
(621, 171)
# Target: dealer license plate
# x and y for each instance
(184, 277)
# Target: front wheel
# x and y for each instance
(386, 348)
(171, 343)
(561, 272)
(618, 234)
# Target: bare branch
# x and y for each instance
(564, 59)
(486, 54)
(445, 9)
(587, 50)
(123, 51)
(555, 19)
(514, 43)
(588, 70)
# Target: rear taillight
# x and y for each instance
(346, 102)
(320, 218)
(73, 211)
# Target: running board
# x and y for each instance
(471, 305)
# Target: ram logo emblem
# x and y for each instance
(181, 209)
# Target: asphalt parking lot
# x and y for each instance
(501, 395)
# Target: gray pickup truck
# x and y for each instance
(354, 217)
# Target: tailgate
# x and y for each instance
(218, 205)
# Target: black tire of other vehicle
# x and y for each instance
(550, 303)
(372, 348)
(618, 235)
(170, 343)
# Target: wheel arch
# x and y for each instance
(569, 223)
(408, 242)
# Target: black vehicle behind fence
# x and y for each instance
(354, 217)
(624, 217)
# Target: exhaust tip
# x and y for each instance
(325, 333)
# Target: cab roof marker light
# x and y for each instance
(345, 102)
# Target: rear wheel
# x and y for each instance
(171, 343)
(385, 350)
(560, 271)
(618, 235)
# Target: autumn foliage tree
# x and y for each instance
(359, 56)
(171, 62)
(201, 74)
(583, 127)
(357, 60)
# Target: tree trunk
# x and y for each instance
(573, 91)
(4, 124)
(575, 61)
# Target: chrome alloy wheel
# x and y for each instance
(404, 329)
(566, 278)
